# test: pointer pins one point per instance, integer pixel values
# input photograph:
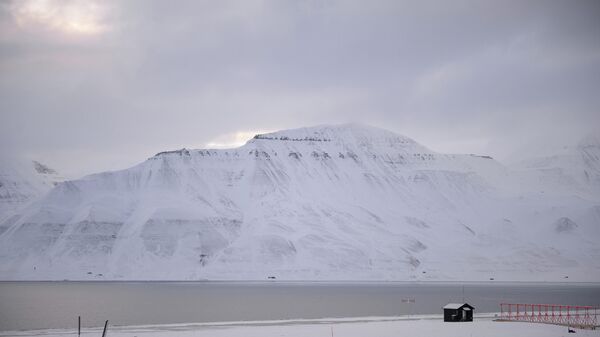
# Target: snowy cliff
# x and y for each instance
(327, 202)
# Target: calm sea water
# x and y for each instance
(41, 305)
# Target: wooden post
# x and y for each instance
(104, 332)
(79, 326)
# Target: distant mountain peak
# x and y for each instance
(22, 181)
(359, 136)
(338, 131)
(351, 134)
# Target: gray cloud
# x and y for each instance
(105, 85)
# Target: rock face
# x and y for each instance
(327, 202)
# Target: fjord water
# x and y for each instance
(43, 305)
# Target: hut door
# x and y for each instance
(464, 315)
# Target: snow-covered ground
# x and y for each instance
(417, 326)
(344, 202)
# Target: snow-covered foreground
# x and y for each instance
(359, 327)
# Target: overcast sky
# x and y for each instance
(87, 86)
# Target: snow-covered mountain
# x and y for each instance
(574, 169)
(22, 181)
(327, 202)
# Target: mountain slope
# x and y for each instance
(328, 202)
(572, 170)
(21, 182)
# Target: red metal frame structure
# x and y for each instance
(585, 317)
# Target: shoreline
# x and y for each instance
(590, 283)
(484, 324)
(33, 305)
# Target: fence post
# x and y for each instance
(104, 332)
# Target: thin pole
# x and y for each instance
(104, 332)
(79, 326)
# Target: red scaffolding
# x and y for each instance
(584, 317)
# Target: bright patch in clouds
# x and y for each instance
(232, 140)
(70, 17)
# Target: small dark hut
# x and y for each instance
(458, 312)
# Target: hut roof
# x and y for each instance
(457, 306)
